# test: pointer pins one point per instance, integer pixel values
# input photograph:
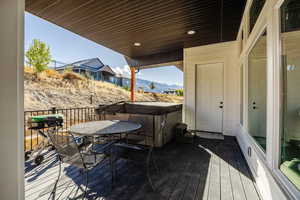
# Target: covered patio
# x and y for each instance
(240, 61)
(211, 169)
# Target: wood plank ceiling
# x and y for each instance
(159, 25)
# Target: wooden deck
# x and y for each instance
(215, 170)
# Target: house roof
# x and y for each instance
(93, 64)
(160, 26)
(107, 69)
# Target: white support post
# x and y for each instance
(11, 99)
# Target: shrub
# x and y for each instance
(68, 68)
(72, 76)
(126, 88)
(52, 73)
(179, 92)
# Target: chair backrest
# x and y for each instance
(68, 151)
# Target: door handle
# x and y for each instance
(220, 106)
(254, 107)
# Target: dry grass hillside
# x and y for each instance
(51, 89)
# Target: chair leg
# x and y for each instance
(53, 192)
(148, 169)
(112, 170)
(155, 164)
(86, 183)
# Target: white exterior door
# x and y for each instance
(209, 97)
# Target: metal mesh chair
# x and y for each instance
(134, 149)
(81, 156)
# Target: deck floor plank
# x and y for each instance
(209, 170)
(247, 179)
(214, 192)
(225, 176)
(179, 189)
(193, 182)
(237, 185)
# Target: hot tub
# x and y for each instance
(157, 118)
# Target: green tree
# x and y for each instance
(38, 55)
(152, 86)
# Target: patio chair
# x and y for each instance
(135, 149)
(81, 156)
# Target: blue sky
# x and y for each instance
(68, 47)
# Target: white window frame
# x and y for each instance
(241, 95)
(262, 154)
(271, 23)
(275, 52)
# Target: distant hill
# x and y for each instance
(159, 87)
(51, 89)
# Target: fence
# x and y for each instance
(72, 116)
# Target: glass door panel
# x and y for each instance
(257, 87)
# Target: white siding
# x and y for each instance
(226, 53)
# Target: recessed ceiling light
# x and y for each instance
(191, 32)
(137, 44)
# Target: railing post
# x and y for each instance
(53, 110)
(91, 99)
(132, 84)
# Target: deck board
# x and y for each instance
(210, 170)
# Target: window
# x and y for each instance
(257, 89)
(241, 39)
(290, 133)
(290, 15)
(255, 9)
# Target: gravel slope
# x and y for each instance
(50, 89)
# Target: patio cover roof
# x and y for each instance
(160, 26)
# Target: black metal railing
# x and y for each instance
(72, 116)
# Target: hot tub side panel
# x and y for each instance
(164, 127)
(161, 126)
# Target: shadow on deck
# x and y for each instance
(211, 169)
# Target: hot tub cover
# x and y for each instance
(150, 108)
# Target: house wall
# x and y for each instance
(272, 184)
(226, 53)
(264, 165)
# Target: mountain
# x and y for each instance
(145, 85)
(159, 87)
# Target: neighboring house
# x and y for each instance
(122, 81)
(170, 91)
(94, 68)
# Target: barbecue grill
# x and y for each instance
(43, 124)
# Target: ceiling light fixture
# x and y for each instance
(191, 32)
(137, 44)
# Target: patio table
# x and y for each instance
(105, 128)
(110, 128)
